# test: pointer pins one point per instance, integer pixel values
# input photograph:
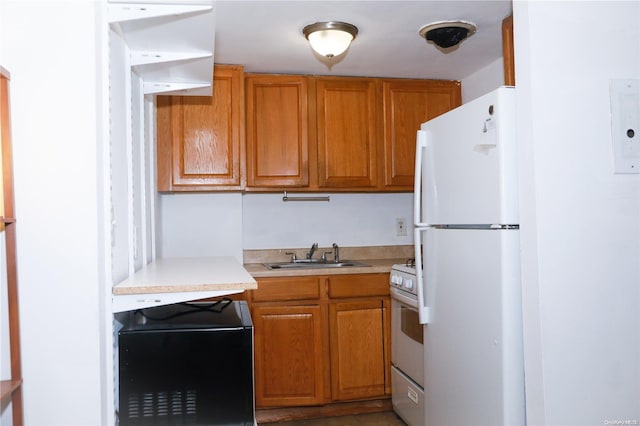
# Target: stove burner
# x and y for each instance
(410, 262)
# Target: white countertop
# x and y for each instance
(174, 280)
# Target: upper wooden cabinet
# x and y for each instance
(277, 131)
(353, 134)
(303, 133)
(407, 104)
(201, 138)
(312, 133)
(347, 132)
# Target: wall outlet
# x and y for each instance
(401, 227)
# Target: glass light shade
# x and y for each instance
(330, 42)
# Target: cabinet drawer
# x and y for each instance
(286, 288)
(361, 285)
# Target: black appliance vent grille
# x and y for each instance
(162, 408)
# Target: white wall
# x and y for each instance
(267, 222)
(347, 219)
(53, 105)
(580, 222)
(225, 224)
(200, 225)
(483, 81)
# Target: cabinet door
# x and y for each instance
(359, 349)
(347, 120)
(288, 355)
(277, 131)
(200, 138)
(408, 104)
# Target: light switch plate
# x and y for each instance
(625, 124)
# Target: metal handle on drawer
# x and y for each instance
(413, 395)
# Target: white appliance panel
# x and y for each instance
(469, 164)
(407, 398)
(473, 351)
(407, 350)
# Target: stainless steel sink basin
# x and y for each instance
(314, 263)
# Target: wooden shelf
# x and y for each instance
(7, 387)
(11, 390)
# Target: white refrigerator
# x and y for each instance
(466, 232)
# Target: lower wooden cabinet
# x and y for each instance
(321, 339)
(288, 355)
(358, 358)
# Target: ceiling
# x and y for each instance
(266, 37)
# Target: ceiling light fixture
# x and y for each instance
(330, 38)
(447, 34)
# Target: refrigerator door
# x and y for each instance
(469, 164)
(472, 343)
(420, 236)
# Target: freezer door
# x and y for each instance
(473, 341)
(469, 164)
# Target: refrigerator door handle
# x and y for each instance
(423, 309)
(421, 146)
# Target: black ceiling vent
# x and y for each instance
(446, 34)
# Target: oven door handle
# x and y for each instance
(403, 298)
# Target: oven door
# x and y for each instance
(407, 349)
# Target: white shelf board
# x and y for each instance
(168, 42)
(174, 280)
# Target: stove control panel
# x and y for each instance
(403, 278)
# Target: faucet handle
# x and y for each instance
(293, 256)
(324, 255)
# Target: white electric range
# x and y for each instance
(407, 349)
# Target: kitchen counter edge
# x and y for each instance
(189, 274)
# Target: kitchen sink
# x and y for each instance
(314, 263)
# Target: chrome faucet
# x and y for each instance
(314, 247)
(336, 253)
(293, 256)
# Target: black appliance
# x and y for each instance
(187, 364)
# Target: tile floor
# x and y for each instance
(388, 418)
